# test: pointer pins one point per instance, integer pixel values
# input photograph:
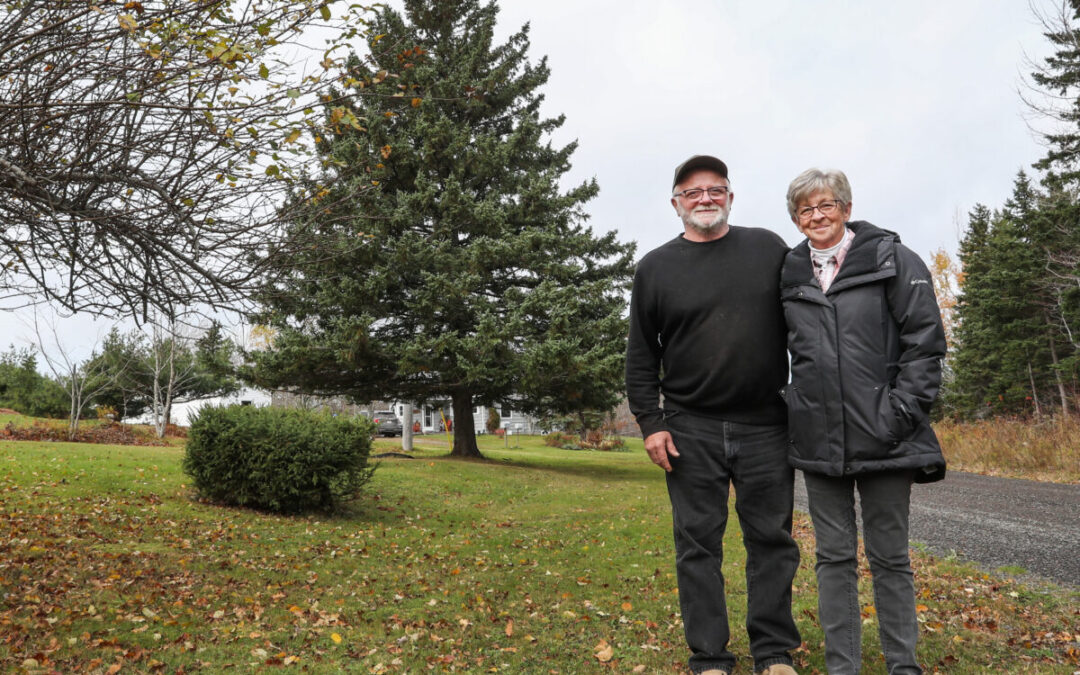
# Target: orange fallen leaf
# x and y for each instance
(626, 607)
(509, 628)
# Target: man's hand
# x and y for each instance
(659, 446)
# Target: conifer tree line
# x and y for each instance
(1017, 346)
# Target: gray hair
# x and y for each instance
(814, 180)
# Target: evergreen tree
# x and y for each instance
(972, 357)
(214, 357)
(25, 390)
(442, 259)
(121, 362)
(1018, 255)
(1058, 225)
(1009, 356)
(201, 368)
(1058, 77)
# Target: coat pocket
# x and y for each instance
(806, 422)
(895, 422)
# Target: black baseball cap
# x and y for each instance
(699, 162)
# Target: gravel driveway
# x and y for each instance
(995, 522)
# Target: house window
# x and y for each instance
(506, 411)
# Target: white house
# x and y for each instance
(184, 412)
(429, 418)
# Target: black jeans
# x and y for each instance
(713, 456)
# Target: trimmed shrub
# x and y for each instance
(276, 459)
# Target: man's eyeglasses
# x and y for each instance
(828, 209)
(693, 194)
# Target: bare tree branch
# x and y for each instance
(146, 147)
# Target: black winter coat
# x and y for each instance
(865, 360)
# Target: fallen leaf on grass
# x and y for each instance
(604, 652)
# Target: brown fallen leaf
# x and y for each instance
(604, 652)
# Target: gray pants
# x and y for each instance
(885, 498)
(714, 455)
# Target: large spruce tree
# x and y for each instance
(442, 258)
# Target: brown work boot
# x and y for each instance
(779, 669)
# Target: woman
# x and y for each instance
(866, 345)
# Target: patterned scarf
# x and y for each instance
(827, 261)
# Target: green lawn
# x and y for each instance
(536, 560)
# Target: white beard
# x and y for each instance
(705, 219)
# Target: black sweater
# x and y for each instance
(707, 316)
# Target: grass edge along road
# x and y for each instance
(537, 560)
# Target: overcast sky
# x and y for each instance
(916, 102)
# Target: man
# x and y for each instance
(707, 331)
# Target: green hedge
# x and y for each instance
(276, 459)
